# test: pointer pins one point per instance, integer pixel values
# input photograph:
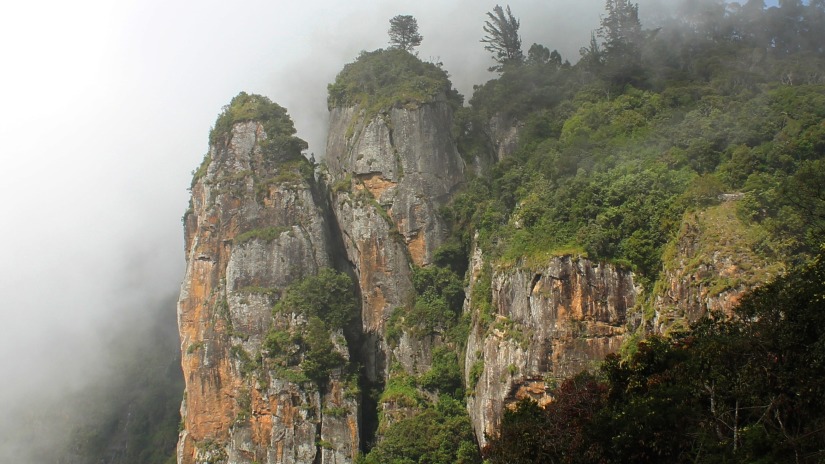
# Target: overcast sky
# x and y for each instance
(106, 110)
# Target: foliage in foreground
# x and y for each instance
(742, 390)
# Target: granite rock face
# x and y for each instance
(256, 225)
(389, 175)
(504, 133)
(547, 323)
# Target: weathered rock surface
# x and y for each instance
(389, 175)
(547, 323)
(709, 267)
(504, 133)
(256, 225)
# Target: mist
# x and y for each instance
(107, 111)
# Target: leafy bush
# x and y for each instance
(440, 434)
(327, 301)
(329, 295)
(444, 376)
(321, 356)
(267, 234)
(439, 297)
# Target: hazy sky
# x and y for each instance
(106, 110)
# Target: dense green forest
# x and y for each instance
(613, 152)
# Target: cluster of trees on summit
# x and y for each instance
(647, 127)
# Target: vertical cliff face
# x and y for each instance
(389, 175)
(543, 325)
(504, 133)
(257, 224)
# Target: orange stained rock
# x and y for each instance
(536, 390)
(288, 417)
(418, 248)
(189, 450)
(261, 421)
(577, 300)
(352, 424)
(376, 184)
(372, 262)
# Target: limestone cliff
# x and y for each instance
(256, 225)
(543, 324)
(390, 173)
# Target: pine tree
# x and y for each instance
(502, 38)
(404, 32)
(621, 31)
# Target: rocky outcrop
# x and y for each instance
(256, 225)
(544, 324)
(710, 265)
(389, 175)
(504, 133)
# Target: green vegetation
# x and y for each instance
(439, 434)
(248, 365)
(502, 38)
(475, 372)
(380, 80)
(615, 149)
(328, 296)
(201, 171)
(404, 32)
(244, 402)
(267, 234)
(307, 353)
(741, 390)
(718, 230)
(194, 347)
(439, 297)
(255, 290)
(280, 143)
(401, 391)
(210, 452)
(444, 376)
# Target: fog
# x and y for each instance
(107, 107)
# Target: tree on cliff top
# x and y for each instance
(404, 32)
(502, 38)
(384, 79)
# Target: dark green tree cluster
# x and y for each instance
(621, 31)
(743, 390)
(440, 434)
(648, 124)
(327, 301)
